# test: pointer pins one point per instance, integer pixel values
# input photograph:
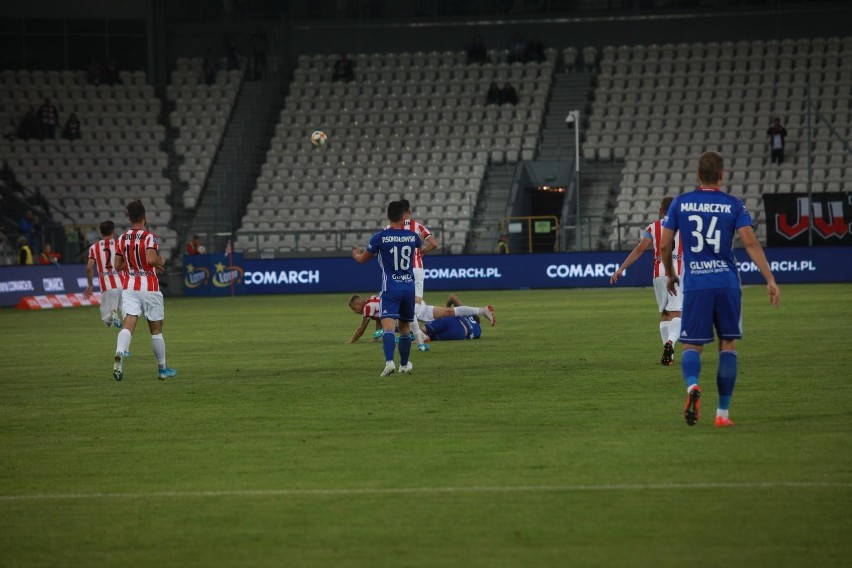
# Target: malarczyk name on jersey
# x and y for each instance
(705, 207)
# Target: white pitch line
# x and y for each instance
(425, 490)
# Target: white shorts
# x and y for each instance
(110, 300)
(419, 274)
(665, 301)
(148, 304)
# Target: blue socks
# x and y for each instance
(726, 377)
(690, 365)
(404, 348)
(389, 345)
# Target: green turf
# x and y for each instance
(556, 440)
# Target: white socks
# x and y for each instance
(664, 330)
(462, 311)
(674, 330)
(159, 346)
(123, 342)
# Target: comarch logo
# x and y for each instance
(589, 270)
(451, 273)
(272, 277)
(196, 276)
(226, 275)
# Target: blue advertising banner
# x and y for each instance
(17, 282)
(213, 274)
(553, 270)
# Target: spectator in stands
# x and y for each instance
(534, 51)
(96, 72)
(494, 95)
(111, 75)
(476, 52)
(344, 69)
(259, 46)
(508, 94)
(28, 127)
(776, 134)
(210, 67)
(48, 119)
(71, 131)
(517, 49)
(194, 246)
(25, 253)
(28, 227)
(231, 53)
(47, 255)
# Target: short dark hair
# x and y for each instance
(135, 211)
(666, 203)
(710, 167)
(107, 227)
(396, 211)
(407, 204)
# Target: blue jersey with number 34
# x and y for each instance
(394, 249)
(708, 221)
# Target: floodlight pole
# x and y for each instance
(574, 117)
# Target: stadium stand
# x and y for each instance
(201, 114)
(117, 158)
(410, 124)
(659, 106)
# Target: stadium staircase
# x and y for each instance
(491, 208)
(570, 91)
(238, 161)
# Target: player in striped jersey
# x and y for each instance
(670, 306)
(102, 254)
(429, 244)
(138, 253)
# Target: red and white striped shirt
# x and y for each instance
(133, 245)
(423, 232)
(654, 231)
(103, 253)
(372, 307)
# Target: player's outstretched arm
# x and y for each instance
(755, 252)
(361, 256)
(360, 331)
(631, 258)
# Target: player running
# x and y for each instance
(395, 248)
(102, 254)
(138, 252)
(708, 220)
(670, 306)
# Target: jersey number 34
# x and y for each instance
(711, 237)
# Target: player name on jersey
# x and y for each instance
(706, 207)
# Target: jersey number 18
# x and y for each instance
(401, 258)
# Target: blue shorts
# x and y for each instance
(453, 328)
(704, 310)
(397, 304)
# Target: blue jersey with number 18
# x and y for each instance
(394, 249)
(708, 220)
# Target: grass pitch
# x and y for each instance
(556, 440)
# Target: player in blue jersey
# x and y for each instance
(395, 248)
(450, 328)
(708, 220)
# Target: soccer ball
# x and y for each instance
(202, 249)
(318, 138)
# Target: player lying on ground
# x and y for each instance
(369, 310)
